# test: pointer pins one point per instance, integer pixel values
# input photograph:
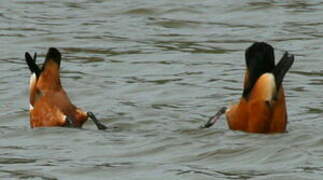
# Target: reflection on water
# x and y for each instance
(155, 71)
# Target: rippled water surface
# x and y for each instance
(154, 71)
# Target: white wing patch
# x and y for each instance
(269, 87)
(32, 90)
(31, 107)
(273, 85)
(32, 81)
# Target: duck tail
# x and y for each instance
(282, 67)
(31, 62)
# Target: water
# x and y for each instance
(154, 71)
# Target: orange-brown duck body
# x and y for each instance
(262, 107)
(49, 103)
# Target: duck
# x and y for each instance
(262, 106)
(50, 105)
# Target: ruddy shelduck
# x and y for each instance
(49, 103)
(262, 107)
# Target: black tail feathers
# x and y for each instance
(260, 55)
(282, 67)
(31, 62)
(54, 54)
(260, 60)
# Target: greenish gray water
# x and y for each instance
(156, 70)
